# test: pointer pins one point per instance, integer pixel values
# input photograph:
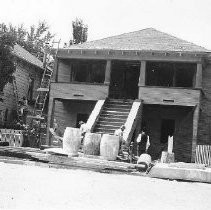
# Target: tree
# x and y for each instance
(7, 63)
(80, 31)
(33, 40)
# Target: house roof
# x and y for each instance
(148, 39)
(23, 54)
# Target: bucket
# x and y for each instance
(144, 160)
(71, 141)
(109, 147)
(91, 145)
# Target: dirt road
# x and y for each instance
(30, 187)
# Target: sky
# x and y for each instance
(186, 19)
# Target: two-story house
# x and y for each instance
(143, 78)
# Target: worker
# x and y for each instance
(83, 129)
(143, 142)
(119, 132)
(56, 134)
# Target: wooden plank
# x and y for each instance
(169, 96)
(195, 131)
(142, 76)
(127, 55)
(79, 91)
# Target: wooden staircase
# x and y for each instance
(114, 114)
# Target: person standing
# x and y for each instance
(119, 132)
(142, 142)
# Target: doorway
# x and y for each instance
(81, 117)
(124, 80)
(167, 129)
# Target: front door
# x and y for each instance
(124, 80)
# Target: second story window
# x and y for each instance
(170, 74)
(88, 71)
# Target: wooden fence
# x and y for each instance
(203, 154)
(14, 137)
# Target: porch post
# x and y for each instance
(198, 76)
(108, 72)
(142, 76)
(195, 131)
(49, 120)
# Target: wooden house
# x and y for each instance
(143, 78)
(27, 78)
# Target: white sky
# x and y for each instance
(186, 19)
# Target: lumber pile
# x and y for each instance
(62, 160)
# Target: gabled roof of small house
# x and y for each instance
(23, 54)
(148, 39)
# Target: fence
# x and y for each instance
(14, 137)
(203, 154)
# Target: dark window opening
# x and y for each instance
(167, 129)
(30, 89)
(81, 117)
(88, 71)
(168, 74)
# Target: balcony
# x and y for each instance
(79, 91)
(169, 96)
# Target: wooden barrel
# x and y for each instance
(71, 141)
(109, 147)
(91, 145)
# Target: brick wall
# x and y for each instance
(204, 131)
(183, 116)
(65, 112)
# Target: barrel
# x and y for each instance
(71, 141)
(109, 147)
(144, 160)
(91, 144)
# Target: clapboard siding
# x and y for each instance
(63, 72)
(169, 96)
(22, 74)
(79, 91)
(65, 112)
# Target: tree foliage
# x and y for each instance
(80, 32)
(33, 40)
(7, 62)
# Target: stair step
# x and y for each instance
(109, 121)
(100, 130)
(114, 114)
(120, 100)
(112, 119)
(118, 109)
(107, 124)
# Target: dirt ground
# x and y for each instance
(32, 187)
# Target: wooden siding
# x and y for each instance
(63, 72)
(22, 74)
(78, 91)
(128, 55)
(169, 96)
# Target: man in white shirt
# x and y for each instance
(119, 132)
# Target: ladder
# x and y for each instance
(43, 92)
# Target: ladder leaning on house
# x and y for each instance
(43, 92)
